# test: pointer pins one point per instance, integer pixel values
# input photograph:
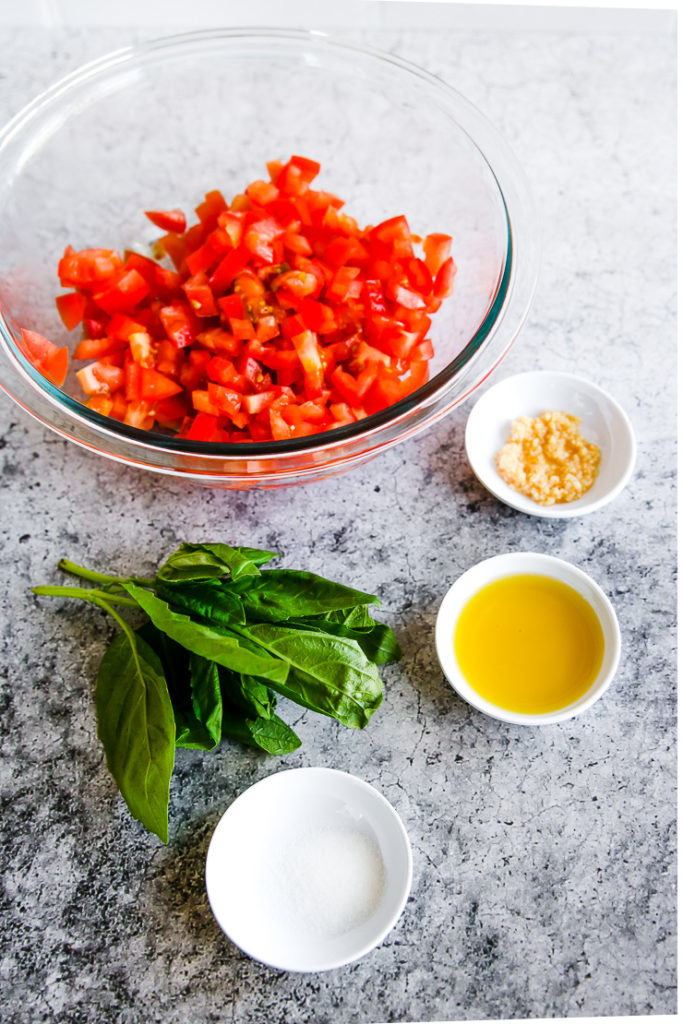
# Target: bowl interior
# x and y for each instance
(333, 863)
(511, 564)
(603, 422)
(161, 126)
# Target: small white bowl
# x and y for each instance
(603, 422)
(513, 564)
(308, 869)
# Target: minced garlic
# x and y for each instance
(547, 459)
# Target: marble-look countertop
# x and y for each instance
(544, 881)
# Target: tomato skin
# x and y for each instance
(283, 317)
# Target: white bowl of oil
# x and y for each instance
(528, 638)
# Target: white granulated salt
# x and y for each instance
(330, 879)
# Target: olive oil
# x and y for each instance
(529, 643)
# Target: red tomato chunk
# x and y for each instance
(281, 318)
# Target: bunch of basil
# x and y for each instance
(222, 637)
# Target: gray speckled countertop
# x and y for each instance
(544, 881)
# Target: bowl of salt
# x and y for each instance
(308, 869)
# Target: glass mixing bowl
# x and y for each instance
(160, 124)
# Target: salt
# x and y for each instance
(330, 879)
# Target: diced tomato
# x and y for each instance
(168, 220)
(123, 294)
(199, 295)
(254, 404)
(71, 308)
(311, 359)
(103, 404)
(178, 324)
(138, 414)
(231, 306)
(51, 360)
(91, 383)
(297, 282)
(232, 222)
(437, 249)
(228, 269)
(88, 267)
(209, 211)
(95, 348)
(224, 399)
(395, 234)
(204, 427)
(443, 285)
(262, 192)
(154, 385)
(317, 316)
(282, 317)
(173, 410)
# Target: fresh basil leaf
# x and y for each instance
(189, 731)
(136, 725)
(222, 646)
(207, 701)
(248, 693)
(328, 674)
(211, 561)
(272, 735)
(204, 600)
(376, 640)
(280, 594)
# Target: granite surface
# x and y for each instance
(545, 860)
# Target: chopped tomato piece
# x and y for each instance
(178, 324)
(124, 294)
(437, 249)
(154, 385)
(168, 220)
(51, 360)
(443, 285)
(71, 308)
(88, 267)
(282, 316)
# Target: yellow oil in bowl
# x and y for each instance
(529, 643)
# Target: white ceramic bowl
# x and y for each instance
(513, 564)
(603, 422)
(308, 869)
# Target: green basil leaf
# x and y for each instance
(328, 674)
(207, 701)
(248, 693)
(189, 731)
(205, 600)
(136, 725)
(376, 640)
(211, 561)
(272, 735)
(280, 594)
(222, 646)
